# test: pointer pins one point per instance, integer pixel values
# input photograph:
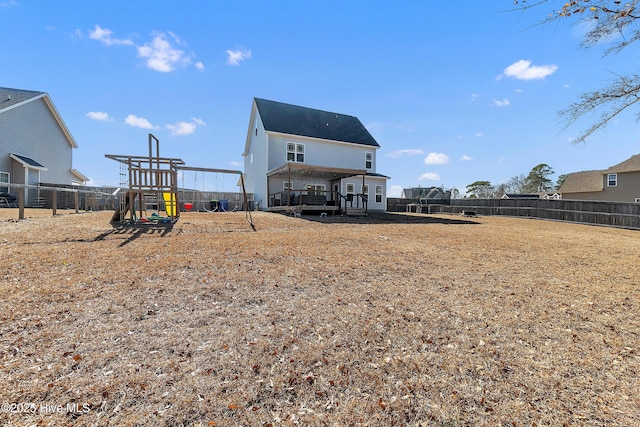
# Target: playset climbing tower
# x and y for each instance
(151, 180)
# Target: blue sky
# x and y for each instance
(454, 91)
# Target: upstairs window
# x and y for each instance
(612, 180)
(368, 160)
(295, 152)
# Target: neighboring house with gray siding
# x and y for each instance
(36, 146)
(619, 183)
(312, 153)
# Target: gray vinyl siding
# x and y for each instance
(320, 152)
(31, 130)
(255, 172)
(372, 182)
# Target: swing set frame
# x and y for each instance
(245, 198)
(156, 177)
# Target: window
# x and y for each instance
(365, 191)
(378, 193)
(315, 189)
(637, 199)
(295, 152)
(286, 186)
(612, 180)
(256, 125)
(4, 178)
(351, 189)
(368, 160)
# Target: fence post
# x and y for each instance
(21, 203)
(54, 202)
(76, 201)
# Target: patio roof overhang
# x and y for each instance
(304, 170)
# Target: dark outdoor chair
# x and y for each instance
(7, 200)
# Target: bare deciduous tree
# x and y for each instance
(615, 23)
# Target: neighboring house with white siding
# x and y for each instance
(619, 183)
(312, 159)
(35, 145)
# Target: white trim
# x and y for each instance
(8, 181)
(366, 154)
(296, 151)
(54, 112)
(609, 179)
(346, 188)
(381, 194)
(311, 138)
(79, 175)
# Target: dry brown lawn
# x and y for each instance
(392, 320)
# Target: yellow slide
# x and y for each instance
(170, 203)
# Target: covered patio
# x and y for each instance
(300, 187)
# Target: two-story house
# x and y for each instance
(619, 183)
(312, 159)
(35, 144)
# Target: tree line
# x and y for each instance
(537, 181)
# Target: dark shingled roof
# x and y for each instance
(10, 97)
(29, 161)
(302, 121)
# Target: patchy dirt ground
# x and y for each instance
(392, 320)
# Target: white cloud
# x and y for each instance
(466, 158)
(498, 103)
(479, 134)
(429, 176)
(523, 70)
(10, 3)
(104, 35)
(394, 191)
(474, 96)
(182, 128)
(100, 116)
(185, 128)
(138, 122)
(436, 159)
(235, 163)
(405, 153)
(235, 56)
(161, 55)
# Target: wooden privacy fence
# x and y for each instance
(616, 214)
